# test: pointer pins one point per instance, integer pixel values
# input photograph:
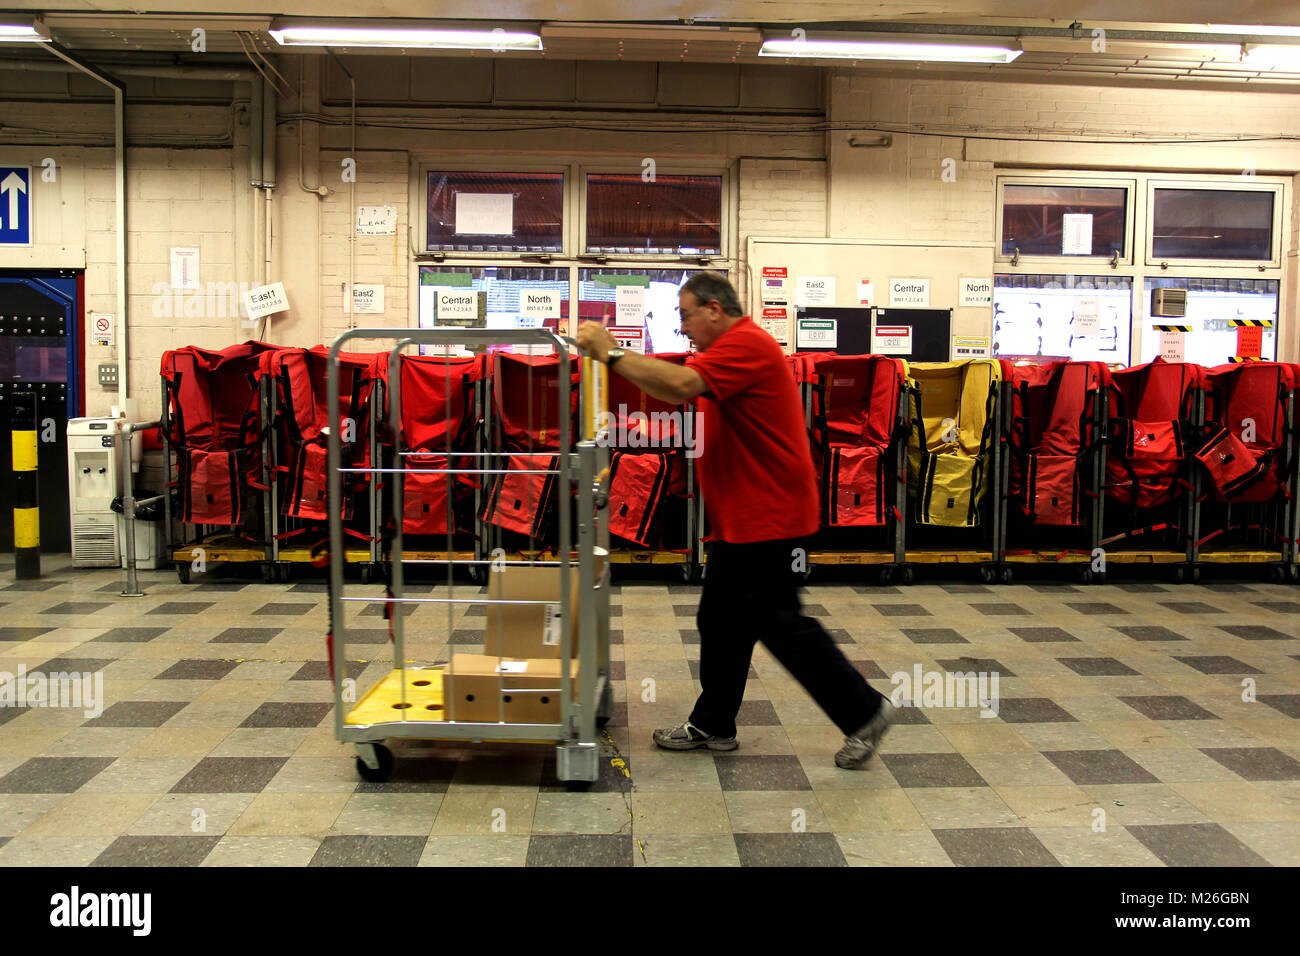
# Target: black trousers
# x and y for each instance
(751, 593)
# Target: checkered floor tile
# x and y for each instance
(1134, 724)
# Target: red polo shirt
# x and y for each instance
(755, 467)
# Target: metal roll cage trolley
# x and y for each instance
(408, 702)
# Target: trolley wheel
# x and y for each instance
(1005, 576)
(1180, 574)
(1277, 574)
(183, 572)
(476, 573)
(1085, 575)
(988, 574)
(286, 571)
(367, 573)
(907, 576)
(688, 572)
(268, 572)
(1293, 572)
(1196, 575)
(380, 773)
(885, 575)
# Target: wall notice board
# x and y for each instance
(935, 267)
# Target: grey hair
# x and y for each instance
(713, 286)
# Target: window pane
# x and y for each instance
(495, 212)
(656, 303)
(516, 297)
(1033, 218)
(1212, 224)
(1212, 304)
(671, 214)
(1034, 318)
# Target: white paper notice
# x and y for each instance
(368, 299)
(775, 321)
(815, 334)
(456, 304)
(539, 305)
(629, 305)
(632, 339)
(1087, 312)
(554, 617)
(485, 214)
(185, 267)
(970, 346)
(1172, 346)
(913, 292)
(815, 290)
(1076, 234)
(866, 292)
(266, 300)
(775, 286)
(974, 293)
(376, 220)
(101, 324)
(512, 667)
(891, 340)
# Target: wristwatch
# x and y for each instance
(613, 355)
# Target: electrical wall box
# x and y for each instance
(1169, 303)
(108, 375)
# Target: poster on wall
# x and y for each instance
(1087, 316)
(1076, 234)
(970, 347)
(185, 267)
(629, 304)
(815, 290)
(775, 285)
(485, 214)
(1173, 345)
(775, 321)
(266, 300)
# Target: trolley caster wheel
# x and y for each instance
(476, 573)
(183, 572)
(1293, 572)
(688, 573)
(907, 576)
(382, 772)
(286, 572)
(367, 573)
(987, 574)
(1085, 575)
(885, 576)
(268, 572)
(1005, 576)
(1196, 575)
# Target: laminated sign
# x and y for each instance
(815, 334)
(630, 338)
(891, 340)
(266, 300)
(554, 625)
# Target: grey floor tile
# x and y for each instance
(978, 665)
(415, 774)
(1093, 608)
(933, 635)
(586, 849)
(965, 588)
(1099, 766)
(230, 775)
(1191, 607)
(1218, 664)
(74, 665)
(1256, 763)
(995, 846)
(198, 670)
(369, 851)
(789, 849)
(22, 633)
(1196, 845)
(932, 770)
(183, 607)
(1001, 610)
(131, 635)
(53, 774)
(757, 713)
(1043, 635)
(139, 713)
(41, 584)
(246, 635)
(840, 636)
(1279, 607)
(1149, 633)
(1288, 704)
(902, 610)
(1168, 707)
(157, 851)
(1097, 666)
(736, 772)
(869, 669)
(1255, 632)
(283, 609)
(79, 608)
(1032, 710)
(287, 714)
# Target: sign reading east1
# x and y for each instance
(15, 205)
(267, 300)
(539, 305)
(632, 339)
(909, 292)
(974, 293)
(815, 334)
(815, 290)
(891, 340)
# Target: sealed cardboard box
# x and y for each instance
(529, 631)
(477, 687)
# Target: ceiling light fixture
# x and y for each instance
(848, 46)
(498, 40)
(28, 32)
(1271, 54)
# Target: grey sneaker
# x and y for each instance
(690, 737)
(860, 748)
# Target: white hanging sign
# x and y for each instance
(891, 340)
(367, 299)
(629, 304)
(913, 292)
(376, 220)
(974, 293)
(1076, 234)
(266, 300)
(539, 305)
(1087, 316)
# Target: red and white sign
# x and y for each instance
(775, 321)
(1173, 345)
(775, 272)
(630, 338)
(101, 327)
(1250, 341)
(891, 340)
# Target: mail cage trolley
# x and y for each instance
(408, 701)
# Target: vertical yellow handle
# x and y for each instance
(595, 396)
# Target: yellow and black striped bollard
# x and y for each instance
(27, 515)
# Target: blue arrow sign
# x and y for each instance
(15, 205)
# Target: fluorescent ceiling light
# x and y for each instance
(496, 40)
(858, 47)
(1237, 29)
(22, 33)
(1272, 54)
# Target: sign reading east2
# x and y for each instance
(15, 205)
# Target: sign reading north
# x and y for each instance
(15, 205)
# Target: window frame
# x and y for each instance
(1037, 263)
(1220, 184)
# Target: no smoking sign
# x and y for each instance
(101, 325)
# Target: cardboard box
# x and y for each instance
(531, 631)
(473, 690)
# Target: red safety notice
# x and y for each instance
(1250, 341)
(775, 272)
